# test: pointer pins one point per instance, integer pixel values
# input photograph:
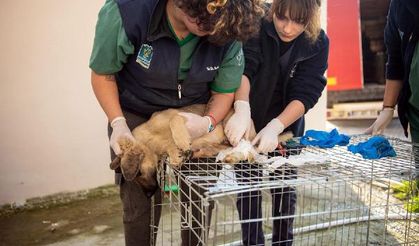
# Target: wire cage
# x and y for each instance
(300, 196)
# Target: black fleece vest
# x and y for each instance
(149, 81)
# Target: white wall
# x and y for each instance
(53, 135)
(316, 117)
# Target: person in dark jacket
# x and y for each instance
(401, 37)
(283, 79)
(150, 55)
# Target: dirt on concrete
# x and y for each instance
(91, 217)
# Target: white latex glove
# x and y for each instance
(119, 130)
(239, 123)
(382, 121)
(268, 136)
(197, 125)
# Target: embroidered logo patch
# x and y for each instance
(145, 55)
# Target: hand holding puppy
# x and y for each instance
(267, 139)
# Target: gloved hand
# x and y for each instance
(239, 123)
(268, 136)
(197, 125)
(119, 130)
(382, 121)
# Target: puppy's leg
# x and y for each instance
(234, 157)
(180, 134)
(207, 150)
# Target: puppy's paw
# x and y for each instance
(234, 157)
(183, 143)
(176, 156)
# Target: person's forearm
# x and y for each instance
(106, 91)
(243, 91)
(291, 113)
(219, 105)
(392, 92)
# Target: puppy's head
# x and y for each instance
(129, 160)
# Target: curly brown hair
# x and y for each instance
(226, 20)
(306, 12)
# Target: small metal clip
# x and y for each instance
(179, 91)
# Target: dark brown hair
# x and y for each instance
(306, 12)
(226, 20)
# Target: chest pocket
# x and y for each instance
(156, 64)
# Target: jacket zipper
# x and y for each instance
(294, 66)
(179, 90)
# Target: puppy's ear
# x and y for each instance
(131, 162)
(115, 163)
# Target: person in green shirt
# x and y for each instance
(150, 55)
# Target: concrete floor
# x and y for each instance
(95, 218)
(92, 218)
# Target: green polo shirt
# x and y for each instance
(112, 48)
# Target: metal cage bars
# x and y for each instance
(341, 198)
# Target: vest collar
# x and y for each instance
(158, 27)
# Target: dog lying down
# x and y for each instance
(165, 135)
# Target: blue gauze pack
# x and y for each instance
(324, 139)
(375, 148)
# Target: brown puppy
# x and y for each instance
(165, 134)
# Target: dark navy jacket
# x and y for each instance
(304, 80)
(148, 81)
(401, 37)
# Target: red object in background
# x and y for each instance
(345, 56)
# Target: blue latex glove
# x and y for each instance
(375, 148)
(324, 139)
